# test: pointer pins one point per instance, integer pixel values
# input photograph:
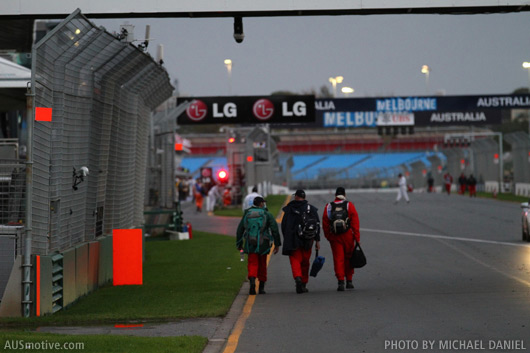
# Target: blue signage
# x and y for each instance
(350, 119)
(412, 104)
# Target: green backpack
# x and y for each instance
(255, 222)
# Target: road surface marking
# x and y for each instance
(233, 339)
(491, 267)
(444, 237)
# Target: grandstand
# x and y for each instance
(315, 171)
(323, 159)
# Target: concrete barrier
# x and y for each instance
(105, 260)
(69, 281)
(522, 189)
(81, 270)
(491, 186)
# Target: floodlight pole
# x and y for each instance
(471, 136)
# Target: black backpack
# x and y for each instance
(309, 226)
(338, 219)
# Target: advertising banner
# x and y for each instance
(248, 110)
(418, 111)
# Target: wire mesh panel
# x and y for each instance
(520, 143)
(486, 169)
(162, 169)
(101, 91)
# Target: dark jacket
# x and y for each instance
(290, 222)
(271, 233)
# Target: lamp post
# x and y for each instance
(426, 70)
(347, 91)
(334, 81)
(228, 64)
(526, 65)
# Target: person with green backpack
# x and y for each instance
(256, 233)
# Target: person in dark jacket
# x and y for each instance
(462, 182)
(295, 246)
(472, 185)
(259, 247)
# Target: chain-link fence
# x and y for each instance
(101, 91)
(161, 178)
(484, 166)
(520, 143)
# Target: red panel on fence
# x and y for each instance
(37, 286)
(43, 114)
(127, 256)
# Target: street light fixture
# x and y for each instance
(334, 81)
(347, 91)
(425, 69)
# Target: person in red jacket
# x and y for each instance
(448, 181)
(340, 223)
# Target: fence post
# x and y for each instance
(26, 263)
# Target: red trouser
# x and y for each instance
(472, 191)
(463, 189)
(448, 188)
(257, 267)
(342, 248)
(198, 200)
(299, 259)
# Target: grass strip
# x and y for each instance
(274, 204)
(503, 197)
(182, 279)
(47, 342)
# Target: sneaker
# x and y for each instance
(252, 290)
(299, 285)
(341, 286)
(304, 288)
(349, 285)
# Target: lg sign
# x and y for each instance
(263, 109)
(248, 110)
(197, 110)
(299, 109)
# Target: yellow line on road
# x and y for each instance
(233, 339)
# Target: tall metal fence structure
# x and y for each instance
(483, 165)
(101, 91)
(520, 143)
(162, 159)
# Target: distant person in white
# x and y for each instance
(402, 189)
(249, 200)
(211, 200)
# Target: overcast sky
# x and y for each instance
(378, 55)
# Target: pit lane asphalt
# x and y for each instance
(440, 268)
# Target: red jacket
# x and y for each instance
(354, 222)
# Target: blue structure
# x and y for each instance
(328, 169)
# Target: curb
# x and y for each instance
(217, 343)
